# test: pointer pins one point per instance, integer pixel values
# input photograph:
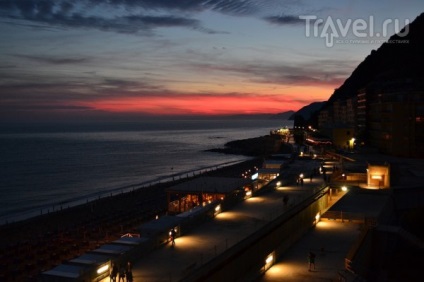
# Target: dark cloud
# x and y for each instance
(225, 6)
(35, 107)
(317, 72)
(52, 60)
(139, 17)
(126, 24)
(61, 13)
(45, 92)
(161, 21)
(285, 20)
(108, 87)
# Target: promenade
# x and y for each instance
(330, 241)
(173, 263)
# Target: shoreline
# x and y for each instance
(38, 243)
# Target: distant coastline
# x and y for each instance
(255, 147)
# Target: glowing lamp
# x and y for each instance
(103, 269)
(317, 217)
(269, 259)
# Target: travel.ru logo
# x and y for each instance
(337, 31)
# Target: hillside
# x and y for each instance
(307, 112)
(391, 60)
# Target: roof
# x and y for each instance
(130, 241)
(161, 224)
(364, 201)
(66, 270)
(90, 259)
(207, 184)
(111, 249)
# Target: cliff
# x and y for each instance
(399, 57)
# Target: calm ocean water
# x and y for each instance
(48, 166)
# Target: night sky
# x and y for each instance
(129, 58)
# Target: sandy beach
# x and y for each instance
(32, 246)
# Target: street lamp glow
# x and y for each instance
(344, 188)
(102, 269)
(317, 217)
(269, 259)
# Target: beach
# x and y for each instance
(32, 246)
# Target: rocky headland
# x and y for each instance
(261, 146)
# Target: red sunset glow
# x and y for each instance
(195, 105)
(293, 98)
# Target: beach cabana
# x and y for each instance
(158, 229)
(118, 253)
(202, 190)
(67, 273)
(98, 264)
(139, 246)
(268, 174)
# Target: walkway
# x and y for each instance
(172, 263)
(335, 237)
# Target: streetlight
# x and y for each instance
(352, 143)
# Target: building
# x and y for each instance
(202, 190)
(378, 176)
(395, 118)
(387, 115)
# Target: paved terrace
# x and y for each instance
(173, 263)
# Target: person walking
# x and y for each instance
(121, 274)
(173, 234)
(113, 272)
(129, 272)
(311, 260)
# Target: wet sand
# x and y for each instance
(32, 246)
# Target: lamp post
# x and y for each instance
(352, 143)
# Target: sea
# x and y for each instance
(45, 167)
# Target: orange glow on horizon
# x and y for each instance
(211, 104)
(195, 105)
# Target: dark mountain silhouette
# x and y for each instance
(284, 115)
(307, 111)
(399, 57)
